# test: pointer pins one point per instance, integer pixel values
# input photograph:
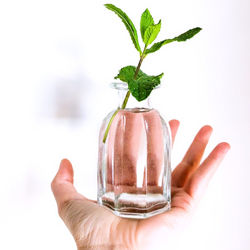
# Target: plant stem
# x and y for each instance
(139, 66)
(109, 124)
(136, 73)
(125, 101)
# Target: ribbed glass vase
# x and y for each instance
(134, 166)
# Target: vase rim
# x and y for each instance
(119, 85)
(124, 86)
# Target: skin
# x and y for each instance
(95, 227)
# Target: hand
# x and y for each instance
(95, 227)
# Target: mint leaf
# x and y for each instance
(128, 23)
(127, 73)
(151, 33)
(158, 45)
(146, 21)
(181, 38)
(143, 86)
(140, 87)
(187, 35)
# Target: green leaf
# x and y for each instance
(181, 38)
(158, 45)
(140, 87)
(187, 35)
(151, 33)
(143, 86)
(146, 21)
(127, 73)
(128, 23)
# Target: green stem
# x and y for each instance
(136, 73)
(139, 66)
(125, 101)
(109, 124)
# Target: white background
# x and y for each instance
(57, 59)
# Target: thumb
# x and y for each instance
(62, 185)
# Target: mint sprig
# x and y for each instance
(140, 85)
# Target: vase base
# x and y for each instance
(136, 206)
(142, 214)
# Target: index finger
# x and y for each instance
(200, 179)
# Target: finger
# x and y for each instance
(174, 125)
(62, 185)
(200, 179)
(192, 158)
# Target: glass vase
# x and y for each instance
(134, 166)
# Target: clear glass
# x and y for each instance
(134, 166)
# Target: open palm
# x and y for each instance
(95, 227)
